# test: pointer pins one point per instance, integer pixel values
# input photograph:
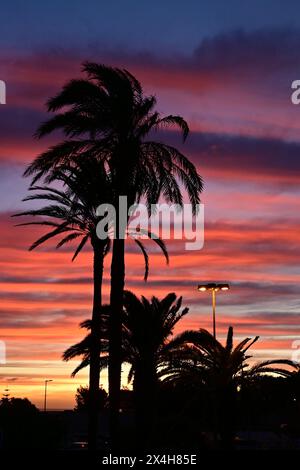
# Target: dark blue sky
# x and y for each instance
(169, 25)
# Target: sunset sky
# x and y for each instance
(227, 68)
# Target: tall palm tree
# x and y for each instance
(108, 116)
(198, 359)
(72, 215)
(147, 328)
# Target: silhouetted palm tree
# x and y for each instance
(197, 359)
(147, 327)
(108, 116)
(73, 215)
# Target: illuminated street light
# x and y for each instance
(6, 394)
(45, 398)
(213, 287)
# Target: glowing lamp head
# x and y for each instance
(212, 286)
(224, 286)
(202, 288)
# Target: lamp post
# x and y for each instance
(213, 287)
(45, 397)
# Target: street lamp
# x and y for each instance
(213, 287)
(45, 397)
(6, 394)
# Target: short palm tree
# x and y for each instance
(147, 328)
(148, 325)
(107, 115)
(199, 360)
(72, 215)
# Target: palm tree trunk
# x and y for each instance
(94, 376)
(145, 393)
(115, 337)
